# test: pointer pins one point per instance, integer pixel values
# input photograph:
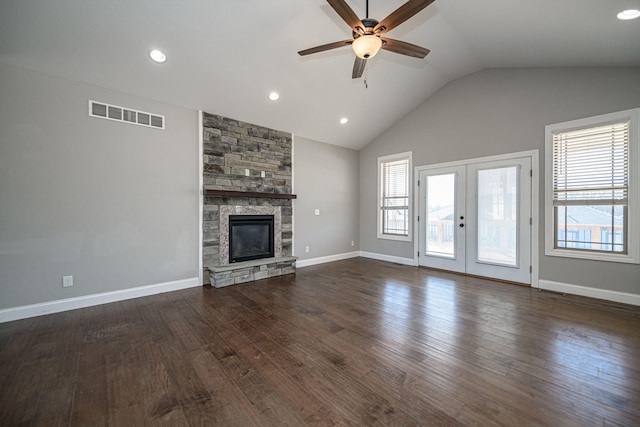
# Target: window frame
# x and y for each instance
(633, 207)
(379, 222)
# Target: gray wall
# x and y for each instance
(503, 111)
(115, 205)
(325, 178)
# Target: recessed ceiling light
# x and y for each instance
(274, 96)
(628, 14)
(158, 55)
(343, 120)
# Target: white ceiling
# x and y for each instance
(225, 56)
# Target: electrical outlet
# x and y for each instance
(247, 172)
(316, 212)
(67, 281)
(353, 243)
(306, 248)
(262, 174)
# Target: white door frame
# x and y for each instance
(535, 196)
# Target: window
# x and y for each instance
(394, 197)
(592, 188)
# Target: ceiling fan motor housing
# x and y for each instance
(369, 24)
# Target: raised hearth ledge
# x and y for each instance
(252, 263)
(249, 271)
(248, 194)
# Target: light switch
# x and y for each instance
(317, 212)
(262, 174)
(246, 172)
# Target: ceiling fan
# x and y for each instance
(367, 33)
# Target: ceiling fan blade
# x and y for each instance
(358, 67)
(324, 47)
(346, 13)
(401, 14)
(404, 48)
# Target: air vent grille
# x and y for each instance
(126, 115)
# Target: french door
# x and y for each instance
(475, 218)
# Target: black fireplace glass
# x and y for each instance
(250, 237)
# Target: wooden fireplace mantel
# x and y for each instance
(248, 194)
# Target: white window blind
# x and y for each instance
(591, 166)
(592, 203)
(395, 197)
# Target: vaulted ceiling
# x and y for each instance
(224, 57)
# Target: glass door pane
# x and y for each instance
(498, 216)
(440, 228)
(441, 218)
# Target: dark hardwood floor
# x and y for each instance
(355, 342)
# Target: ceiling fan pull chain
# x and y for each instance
(366, 78)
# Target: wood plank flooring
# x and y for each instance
(354, 342)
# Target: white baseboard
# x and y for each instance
(567, 288)
(390, 258)
(32, 310)
(338, 257)
(323, 259)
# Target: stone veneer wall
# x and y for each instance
(230, 148)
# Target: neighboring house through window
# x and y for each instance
(394, 178)
(593, 168)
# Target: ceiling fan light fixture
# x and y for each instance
(629, 14)
(366, 46)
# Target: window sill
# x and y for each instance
(396, 238)
(594, 256)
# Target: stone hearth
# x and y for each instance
(248, 271)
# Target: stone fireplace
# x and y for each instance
(247, 172)
(250, 237)
(228, 211)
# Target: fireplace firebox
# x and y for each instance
(250, 237)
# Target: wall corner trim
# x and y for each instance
(49, 307)
(604, 294)
(390, 258)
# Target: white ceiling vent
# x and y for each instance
(126, 115)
